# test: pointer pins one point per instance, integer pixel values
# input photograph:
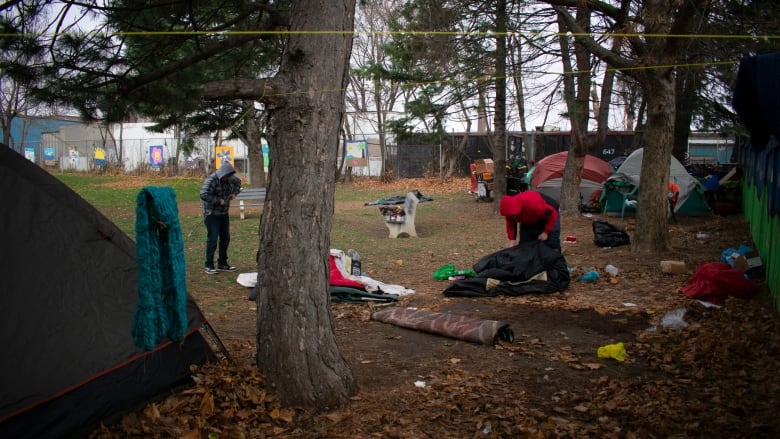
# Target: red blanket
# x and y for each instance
(715, 281)
(338, 280)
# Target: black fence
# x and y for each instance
(414, 158)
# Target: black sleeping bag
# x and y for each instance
(527, 268)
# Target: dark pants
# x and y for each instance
(217, 229)
(531, 232)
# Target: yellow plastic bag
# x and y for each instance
(616, 351)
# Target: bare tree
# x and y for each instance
(372, 96)
(652, 29)
(577, 90)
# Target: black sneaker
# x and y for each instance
(226, 268)
(211, 270)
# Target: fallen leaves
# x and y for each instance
(717, 377)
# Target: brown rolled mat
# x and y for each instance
(451, 325)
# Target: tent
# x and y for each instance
(547, 175)
(67, 298)
(690, 202)
(617, 161)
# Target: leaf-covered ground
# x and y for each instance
(716, 377)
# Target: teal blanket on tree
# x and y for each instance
(161, 311)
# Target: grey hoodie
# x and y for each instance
(216, 188)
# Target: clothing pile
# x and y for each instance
(344, 286)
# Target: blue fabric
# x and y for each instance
(161, 311)
(757, 97)
(728, 255)
(710, 183)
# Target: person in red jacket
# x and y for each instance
(537, 216)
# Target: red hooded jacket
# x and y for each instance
(527, 208)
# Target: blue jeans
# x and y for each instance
(217, 232)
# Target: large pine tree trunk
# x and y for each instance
(296, 345)
(652, 212)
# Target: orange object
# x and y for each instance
(674, 191)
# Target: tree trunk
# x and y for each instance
(296, 344)
(576, 90)
(515, 46)
(499, 142)
(688, 84)
(570, 183)
(255, 151)
(380, 122)
(652, 233)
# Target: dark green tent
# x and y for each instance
(67, 297)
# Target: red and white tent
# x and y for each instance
(547, 175)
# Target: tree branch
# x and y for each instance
(261, 90)
(193, 58)
(612, 58)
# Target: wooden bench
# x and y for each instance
(254, 196)
(400, 220)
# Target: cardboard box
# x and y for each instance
(749, 263)
(483, 165)
(674, 267)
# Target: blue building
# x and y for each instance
(26, 133)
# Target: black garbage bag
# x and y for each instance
(609, 235)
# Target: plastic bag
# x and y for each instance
(447, 271)
(616, 351)
(444, 272)
(609, 235)
(590, 276)
(674, 319)
(729, 256)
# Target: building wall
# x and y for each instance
(75, 144)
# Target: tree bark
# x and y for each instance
(296, 345)
(577, 106)
(652, 215)
(499, 142)
(688, 84)
(657, 18)
(254, 139)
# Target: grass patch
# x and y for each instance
(452, 229)
(120, 191)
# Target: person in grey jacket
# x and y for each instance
(219, 188)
